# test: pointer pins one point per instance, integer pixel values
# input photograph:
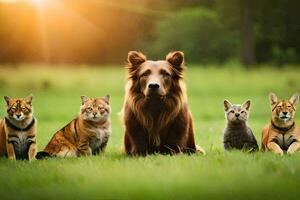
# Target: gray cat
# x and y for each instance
(237, 134)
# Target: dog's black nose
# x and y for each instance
(237, 114)
(18, 116)
(285, 113)
(153, 86)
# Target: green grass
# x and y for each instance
(218, 175)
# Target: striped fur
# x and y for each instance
(87, 134)
(18, 130)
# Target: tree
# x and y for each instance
(247, 53)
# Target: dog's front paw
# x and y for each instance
(200, 150)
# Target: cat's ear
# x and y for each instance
(227, 105)
(247, 105)
(106, 99)
(294, 99)
(7, 100)
(28, 99)
(273, 99)
(84, 99)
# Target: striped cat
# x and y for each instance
(86, 135)
(18, 130)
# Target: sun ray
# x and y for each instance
(39, 3)
(54, 16)
(9, 1)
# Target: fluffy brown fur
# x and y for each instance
(156, 113)
(86, 135)
(18, 130)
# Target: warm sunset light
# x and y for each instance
(39, 3)
(35, 3)
(8, 1)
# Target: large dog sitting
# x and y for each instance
(282, 133)
(156, 113)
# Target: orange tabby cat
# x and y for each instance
(18, 130)
(87, 134)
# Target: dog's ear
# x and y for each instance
(273, 99)
(176, 59)
(84, 99)
(227, 105)
(247, 105)
(294, 99)
(135, 59)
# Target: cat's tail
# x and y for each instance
(42, 155)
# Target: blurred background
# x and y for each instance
(248, 32)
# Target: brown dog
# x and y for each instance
(156, 113)
(282, 133)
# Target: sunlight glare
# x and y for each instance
(39, 3)
(8, 1)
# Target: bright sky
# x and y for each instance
(36, 3)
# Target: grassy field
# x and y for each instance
(218, 175)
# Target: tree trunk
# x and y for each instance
(247, 53)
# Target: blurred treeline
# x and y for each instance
(103, 31)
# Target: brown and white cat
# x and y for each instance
(86, 135)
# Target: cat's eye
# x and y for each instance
(89, 108)
(232, 111)
(289, 106)
(243, 112)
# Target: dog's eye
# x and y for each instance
(144, 75)
(232, 111)
(289, 106)
(166, 74)
(243, 112)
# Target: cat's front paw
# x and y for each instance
(290, 151)
(11, 157)
(279, 152)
